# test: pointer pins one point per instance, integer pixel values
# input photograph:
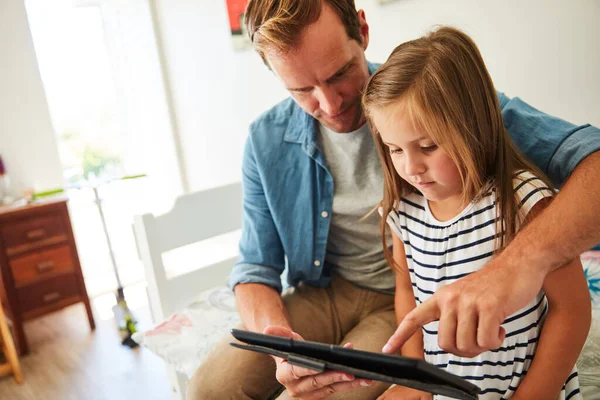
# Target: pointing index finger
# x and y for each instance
(423, 314)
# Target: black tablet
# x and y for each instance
(410, 372)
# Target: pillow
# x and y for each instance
(185, 338)
(588, 363)
(591, 267)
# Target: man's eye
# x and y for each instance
(301, 91)
(429, 148)
(338, 76)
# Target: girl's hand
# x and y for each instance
(404, 393)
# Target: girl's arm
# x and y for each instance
(564, 332)
(404, 300)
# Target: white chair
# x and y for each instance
(194, 218)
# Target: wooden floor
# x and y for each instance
(67, 362)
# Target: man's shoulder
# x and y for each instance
(502, 99)
(274, 133)
(273, 123)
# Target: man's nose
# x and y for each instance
(330, 101)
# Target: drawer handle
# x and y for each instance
(51, 297)
(45, 266)
(36, 234)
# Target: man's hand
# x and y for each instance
(471, 310)
(404, 393)
(307, 384)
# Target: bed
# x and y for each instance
(188, 253)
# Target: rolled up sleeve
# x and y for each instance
(261, 252)
(554, 145)
(576, 147)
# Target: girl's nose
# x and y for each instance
(414, 166)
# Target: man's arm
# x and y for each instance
(568, 227)
(256, 277)
(557, 147)
(259, 306)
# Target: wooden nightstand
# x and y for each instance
(39, 266)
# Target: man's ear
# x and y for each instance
(363, 28)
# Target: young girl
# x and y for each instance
(456, 192)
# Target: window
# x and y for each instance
(101, 72)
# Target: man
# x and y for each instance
(310, 175)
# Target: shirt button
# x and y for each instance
(324, 214)
(317, 263)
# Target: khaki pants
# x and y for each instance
(337, 314)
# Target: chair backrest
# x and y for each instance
(195, 217)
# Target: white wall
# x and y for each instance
(27, 142)
(216, 92)
(544, 51)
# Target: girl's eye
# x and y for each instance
(429, 148)
(395, 151)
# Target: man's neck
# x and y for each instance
(328, 130)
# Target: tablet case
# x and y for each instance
(410, 372)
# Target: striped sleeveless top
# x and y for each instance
(439, 253)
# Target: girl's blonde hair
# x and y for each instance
(441, 84)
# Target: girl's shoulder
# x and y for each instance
(411, 202)
(526, 183)
(410, 206)
(529, 189)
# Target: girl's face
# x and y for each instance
(416, 157)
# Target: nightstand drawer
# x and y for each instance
(27, 234)
(41, 265)
(48, 292)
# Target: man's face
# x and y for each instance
(327, 72)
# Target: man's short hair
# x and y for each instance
(276, 25)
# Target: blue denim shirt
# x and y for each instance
(288, 190)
